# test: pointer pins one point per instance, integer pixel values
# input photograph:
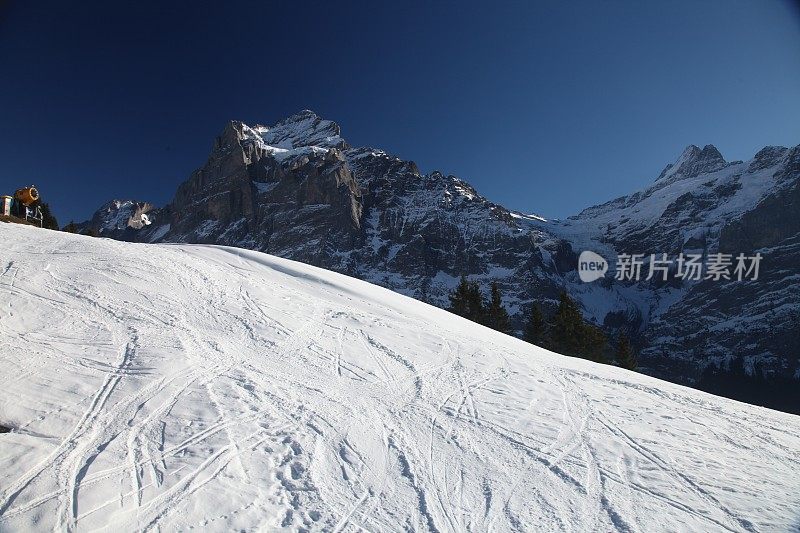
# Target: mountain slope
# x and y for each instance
(178, 387)
(300, 191)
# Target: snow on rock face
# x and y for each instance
(180, 387)
(693, 162)
(302, 129)
(128, 220)
(120, 215)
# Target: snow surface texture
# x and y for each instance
(210, 388)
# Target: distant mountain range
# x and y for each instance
(299, 190)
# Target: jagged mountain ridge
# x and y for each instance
(299, 190)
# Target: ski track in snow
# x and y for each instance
(164, 387)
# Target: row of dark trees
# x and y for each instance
(467, 300)
(73, 228)
(565, 331)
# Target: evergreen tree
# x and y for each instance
(758, 373)
(736, 366)
(476, 307)
(570, 334)
(535, 327)
(567, 328)
(459, 298)
(496, 314)
(466, 300)
(624, 353)
(48, 220)
(593, 345)
(71, 227)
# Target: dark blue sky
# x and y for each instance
(545, 107)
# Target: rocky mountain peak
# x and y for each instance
(710, 154)
(230, 136)
(690, 152)
(305, 128)
(692, 162)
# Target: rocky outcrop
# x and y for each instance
(421, 232)
(291, 197)
(775, 219)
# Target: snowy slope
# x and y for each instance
(199, 387)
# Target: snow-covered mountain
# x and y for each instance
(300, 191)
(180, 387)
(703, 204)
(122, 218)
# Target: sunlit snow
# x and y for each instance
(180, 387)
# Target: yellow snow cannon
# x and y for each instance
(22, 208)
(27, 195)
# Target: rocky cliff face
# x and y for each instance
(272, 189)
(299, 190)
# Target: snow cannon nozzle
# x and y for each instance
(27, 195)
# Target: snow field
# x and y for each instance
(165, 387)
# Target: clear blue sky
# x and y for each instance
(545, 107)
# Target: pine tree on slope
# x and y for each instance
(496, 314)
(593, 344)
(48, 219)
(459, 298)
(476, 307)
(535, 327)
(624, 353)
(567, 328)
